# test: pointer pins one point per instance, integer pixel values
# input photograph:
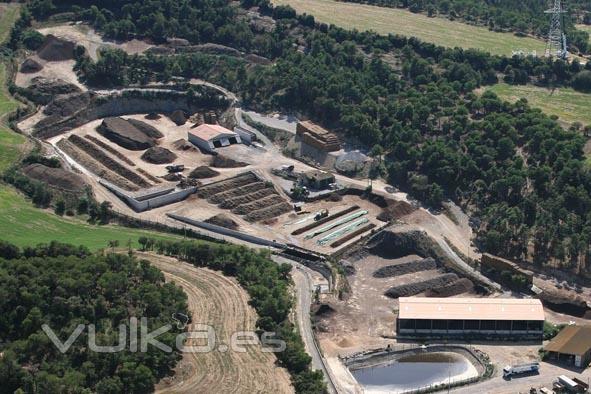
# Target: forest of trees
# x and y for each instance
(520, 16)
(63, 286)
(521, 175)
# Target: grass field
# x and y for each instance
(10, 142)
(23, 224)
(569, 105)
(8, 15)
(439, 31)
(20, 222)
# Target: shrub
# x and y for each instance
(582, 81)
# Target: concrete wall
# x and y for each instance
(226, 231)
(150, 203)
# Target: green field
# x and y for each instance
(10, 143)
(20, 222)
(569, 105)
(8, 15)
(23, 224)
(439, 31)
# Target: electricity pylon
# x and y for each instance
(556, 45)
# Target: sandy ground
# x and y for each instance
(259, 160)
(61, 69)
(83, 35)
(510, 354)
(87, 37)
(367, 318)
(219, 301)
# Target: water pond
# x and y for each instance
(415, 371)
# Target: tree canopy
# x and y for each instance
(63, 286)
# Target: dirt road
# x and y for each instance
(219, 301)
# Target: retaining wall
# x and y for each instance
(150, 203)
(226, 231)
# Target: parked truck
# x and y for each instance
(510, 371)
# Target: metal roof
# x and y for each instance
(470, 308)
(571, 340)
(208, 132)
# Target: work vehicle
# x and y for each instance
(570, 385)
(510, 371)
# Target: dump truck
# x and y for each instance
(510, 371)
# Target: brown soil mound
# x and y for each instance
(158, 155)
(410, 289)
(460, 286)
(233, 202)
(55, 177)
(178, 117)
(395, 210)
(112, 151)
(152, 116)
(561, 303)
(145, 128)
(324, 310)
(227, 184)
(43, 90)
(87, 161)
(65, 105)
(203, 172)
(223, 221)
(31, 66)
(56, 49)
(123, 133)
(149, 176)
(97, 154)
(268, 212)
(405, 268)
(345, 342)
(183, 145)
(237, 191)
(268, 201)
(173, 177)
(221, 161)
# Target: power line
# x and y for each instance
(556, 44)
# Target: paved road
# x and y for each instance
(497, 385)
(304, 289)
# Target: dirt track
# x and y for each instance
(219, 301)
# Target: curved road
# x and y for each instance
(304, 289)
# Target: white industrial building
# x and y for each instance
(211, 136)
(489, 317)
